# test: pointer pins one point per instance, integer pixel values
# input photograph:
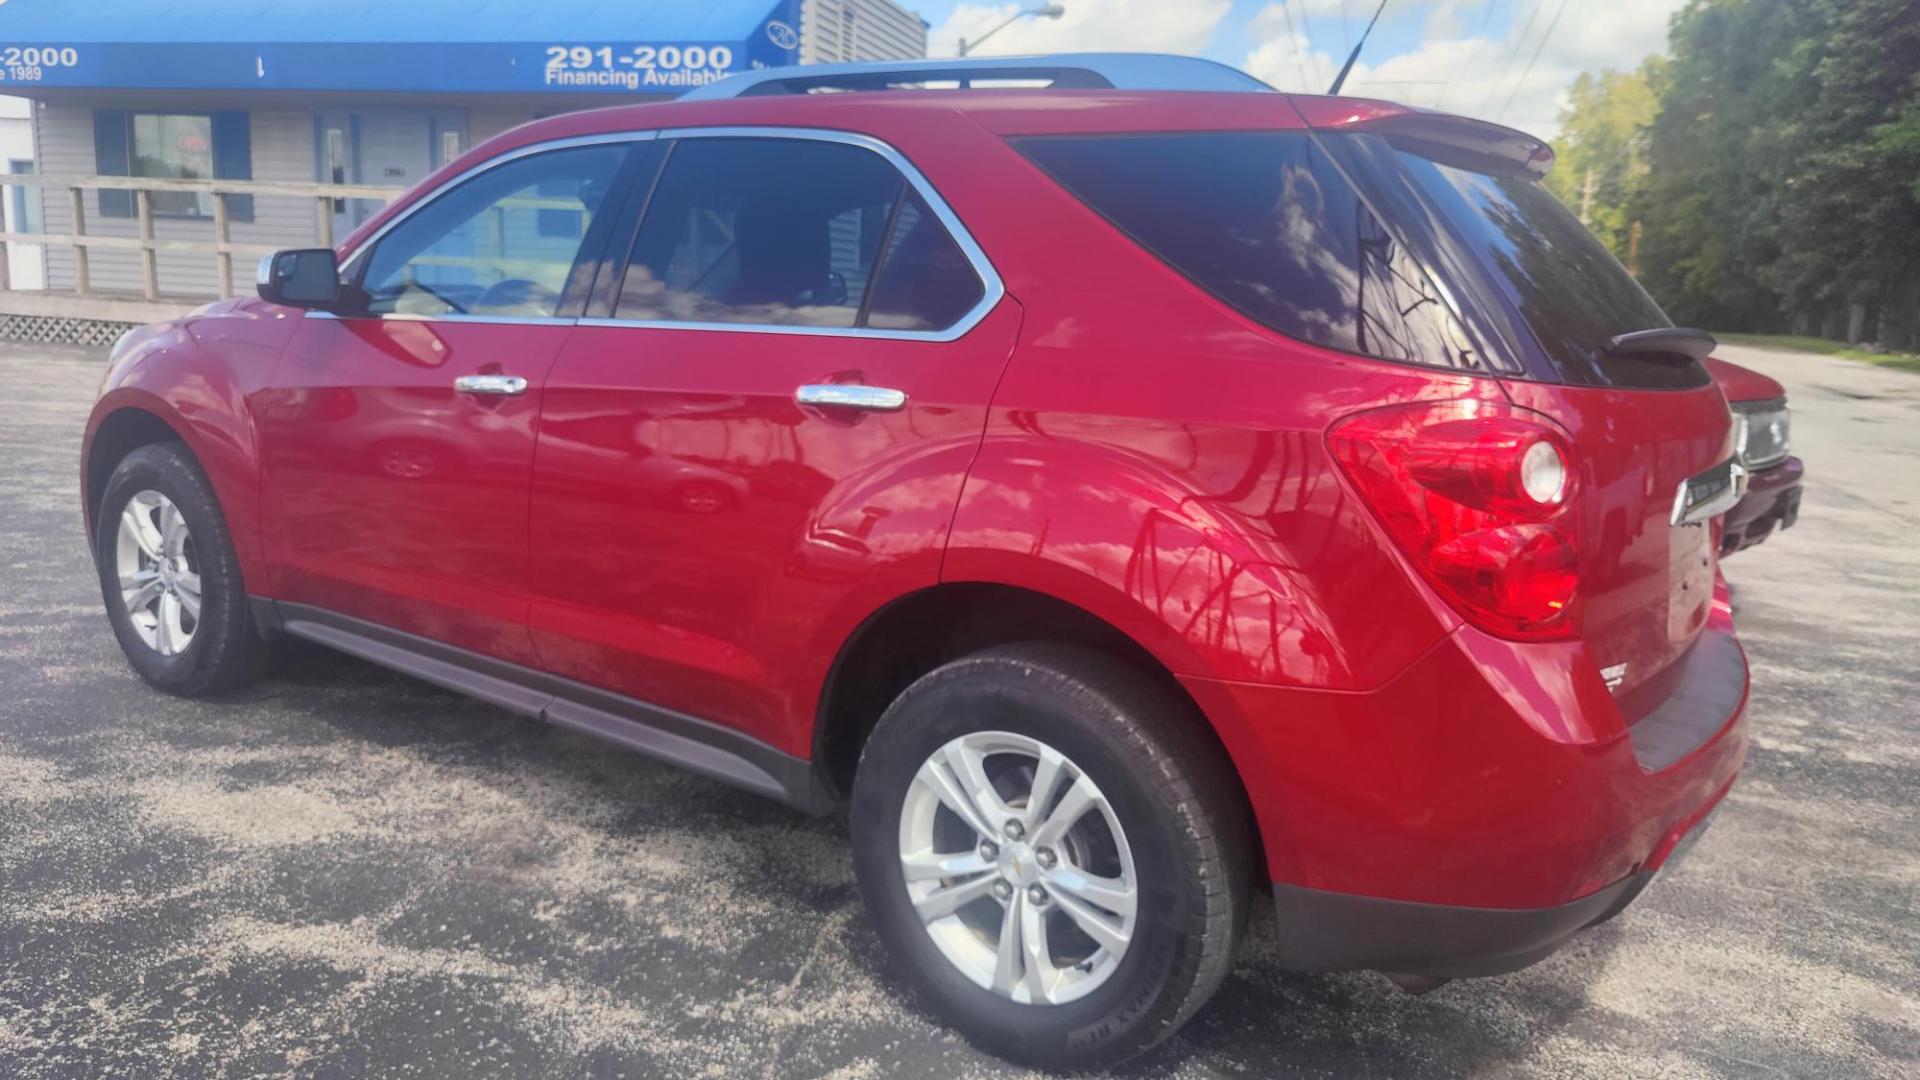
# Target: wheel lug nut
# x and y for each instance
(1036, 894)
(1015, 830)
(1003, 889)
(988, 851)
(1046, 858)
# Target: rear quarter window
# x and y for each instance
(1265, 222)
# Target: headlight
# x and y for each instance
(1764, 428)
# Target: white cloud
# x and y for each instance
(1456, 70)
(1283, 56)
(1332, 9)
(1088, 25)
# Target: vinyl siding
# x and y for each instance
(282, 143)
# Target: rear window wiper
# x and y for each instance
(1663, 341)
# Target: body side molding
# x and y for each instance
(688, 741)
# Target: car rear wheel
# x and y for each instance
(169, 575)
(1052, 853)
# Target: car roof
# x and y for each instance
(1009, 111)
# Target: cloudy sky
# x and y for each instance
(1488, 58)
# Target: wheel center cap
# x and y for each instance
(1018, 865)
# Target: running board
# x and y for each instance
(687, 741)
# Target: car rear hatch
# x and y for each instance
(1368, 229)
(1585, 346)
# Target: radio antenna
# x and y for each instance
(1341, 79)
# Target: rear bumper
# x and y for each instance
(1772, 502)
(1491, 801)
(1329, 931)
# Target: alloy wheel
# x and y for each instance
(1018, 868)
(159, 573)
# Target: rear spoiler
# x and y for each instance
(1664, 341)
(1451, 140)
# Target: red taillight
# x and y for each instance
(1481, 498)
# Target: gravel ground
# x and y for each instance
(341, 872)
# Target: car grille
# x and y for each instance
(1764, 431)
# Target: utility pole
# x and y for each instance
(1586, 199)
(1633, 249)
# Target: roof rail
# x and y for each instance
(1064, 71)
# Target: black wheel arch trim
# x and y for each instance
(702, 746)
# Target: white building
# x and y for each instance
(20, 209)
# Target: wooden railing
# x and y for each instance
(220, 247)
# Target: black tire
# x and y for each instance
(1174, 794)
(225, 651)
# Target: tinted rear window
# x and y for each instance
(1570, 290)
(1265, 222)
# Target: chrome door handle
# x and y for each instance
(502, 385)
(852, 396)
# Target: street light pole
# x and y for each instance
(1045, 11)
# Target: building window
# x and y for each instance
(23, 202)
(171, 146)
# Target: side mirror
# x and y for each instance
(302, 278)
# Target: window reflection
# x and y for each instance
(1264, 221)
(503, 243)
(792, 232)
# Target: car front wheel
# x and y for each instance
(1053, 853)
(169, 575)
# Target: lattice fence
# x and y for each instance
(60, 330)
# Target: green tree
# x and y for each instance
(1602, 165)
(1849, 219)
(1780, 192)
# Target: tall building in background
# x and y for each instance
(836, 31)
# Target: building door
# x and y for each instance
(388, 147)
(397, 439)
(767, 435)
(25, 270)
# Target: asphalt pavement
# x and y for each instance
(342, 872)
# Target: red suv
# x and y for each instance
(1138, 493)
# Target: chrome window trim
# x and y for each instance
(492, 320)
(349, 265)
(992, 289)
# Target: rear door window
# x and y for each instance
(926, 282)
(792, 232)
(1265, 222)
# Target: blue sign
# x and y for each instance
(582, 63)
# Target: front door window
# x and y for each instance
(503, 243)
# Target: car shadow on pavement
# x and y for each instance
(748, 857)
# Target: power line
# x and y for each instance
(1486, 20)
(1293, 43)
(1537, 49)
(1493, 88)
